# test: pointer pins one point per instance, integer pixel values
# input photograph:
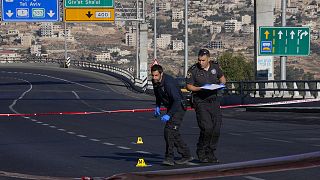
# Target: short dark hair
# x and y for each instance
(203, 52)
(156, 67)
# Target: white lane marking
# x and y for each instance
(96, 140)
(143, 152)
(21, 96)
(123, 147)
(45, 124)
(253, 178)
(235, 134)
(61, 129)
(77, 96)
(33, 120)
(109, 144)
(52, 126)
(278, 140)
(309, 139)
(39, 122)
(82, 136)
(70, 132)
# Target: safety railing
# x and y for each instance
(263, 89)
(279, 89)
(141, 85)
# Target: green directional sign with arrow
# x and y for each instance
(89, 3)
(284, 41)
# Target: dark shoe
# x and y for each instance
(184, 160)
(213, 159)
(204, 160)
(168, 162)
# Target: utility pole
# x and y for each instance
(65, 41)
(283, 59)
(155, 31)
(186, 37)
(137, 42)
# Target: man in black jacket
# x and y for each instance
(168, 93)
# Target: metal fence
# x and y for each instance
(258, 89)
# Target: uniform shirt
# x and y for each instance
(198, 77)
(168, 93)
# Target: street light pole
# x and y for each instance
(283, 59)
(155, 31)
(186, 37)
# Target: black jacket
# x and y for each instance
(168, 93)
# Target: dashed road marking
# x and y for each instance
(96, 140)
(123, 147)
(278, 140)
(143, 152)
(70, 132)
(82, 136)
(61, 129)
(52, 126)
(253, 178)
(109, 144)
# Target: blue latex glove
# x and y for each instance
(224, 86)
(165, 118)
(157, 111)
(206, 85)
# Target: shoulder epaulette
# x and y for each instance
(193, 67)
(214, 62)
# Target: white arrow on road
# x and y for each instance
(9, 13)
(305, 33)
(280, 34)
(292, 34)
(51, 13)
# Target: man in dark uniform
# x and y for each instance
(168, 93)
(206, 103)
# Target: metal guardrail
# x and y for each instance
(141, 85)
(264, 89)
(280, 89)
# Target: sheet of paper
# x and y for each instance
(212, 86)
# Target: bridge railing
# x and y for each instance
(141, 85)
(264, 89)
(282, 89)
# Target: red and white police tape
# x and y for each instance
(162, 109)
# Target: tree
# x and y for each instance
(294, 74)
(235, 67)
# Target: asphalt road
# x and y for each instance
(101, 145)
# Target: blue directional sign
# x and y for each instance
(30, 10)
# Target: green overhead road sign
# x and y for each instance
(284, 41)
(89, 3)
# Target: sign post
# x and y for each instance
(30, 10)
(284, 41)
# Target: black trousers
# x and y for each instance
(209, 120)
(173, 138)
